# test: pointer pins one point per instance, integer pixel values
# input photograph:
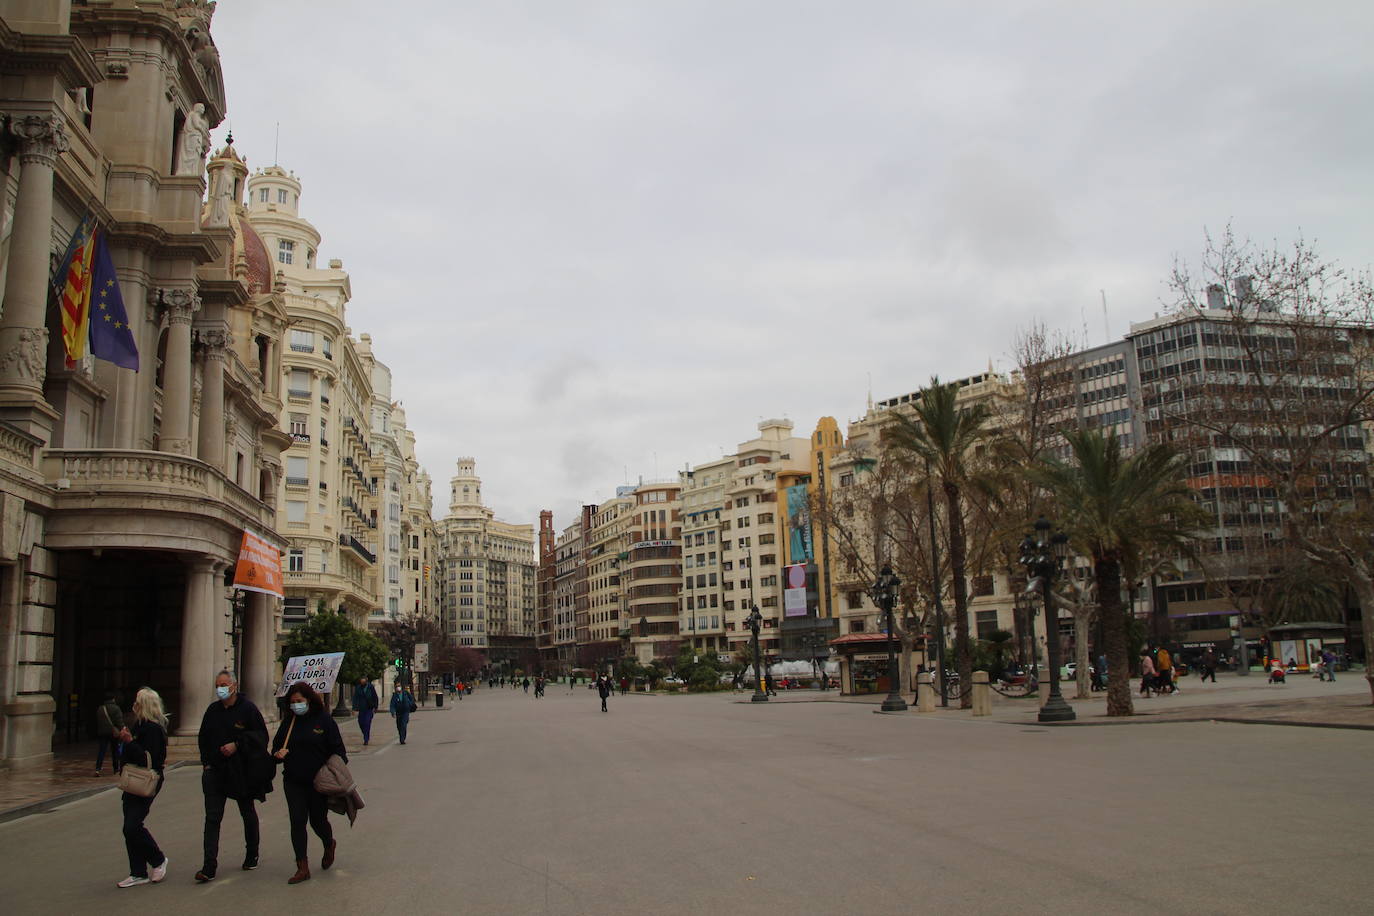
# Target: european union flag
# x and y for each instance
(111, 337)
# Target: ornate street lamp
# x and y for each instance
(1043, 556)
(754, 621)
(885, 596)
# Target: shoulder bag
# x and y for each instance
(139, 780)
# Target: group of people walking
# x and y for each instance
(1156, 672)
(238, 762)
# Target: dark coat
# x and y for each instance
(149, 747)
(249, 772)
(365, 698)
(314, 737)
(402, 705)
(603, 687)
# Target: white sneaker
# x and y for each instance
(160, 871)
(133, 881)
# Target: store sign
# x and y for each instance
(654, 544)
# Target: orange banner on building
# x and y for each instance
(259, 567)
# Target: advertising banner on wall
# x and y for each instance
(259, 566)
(799, 525)
(794, 592)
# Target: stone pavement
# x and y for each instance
(70, 774)
(696, 804)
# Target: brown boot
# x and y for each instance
(328, 858)
(302, 872)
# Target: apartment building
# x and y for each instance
(487, 576)
(327, 501)
(607, 551)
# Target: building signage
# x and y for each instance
(259, 566)
(319, 671)
(654, 544)
(799, 524)
(794, 593)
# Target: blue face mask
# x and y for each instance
(300, 709)
(222, 692)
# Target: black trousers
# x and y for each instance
(213, 787)
(138, 842)
(303, 804)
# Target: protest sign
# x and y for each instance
(319, 671)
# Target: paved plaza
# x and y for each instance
(700, 804)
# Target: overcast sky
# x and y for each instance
(600, 241)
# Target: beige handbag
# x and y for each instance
(137, 780)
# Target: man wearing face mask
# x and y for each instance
(233, 752)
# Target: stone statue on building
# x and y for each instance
(195, 140)
(221, 190)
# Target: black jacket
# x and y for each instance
(150, 741)
(603, 687)
(314, 737)
(249, 772)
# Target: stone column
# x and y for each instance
(214, 344)
(23, 329)
(200, 616)
(256, 659)
(176, 374)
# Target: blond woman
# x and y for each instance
(145, 744)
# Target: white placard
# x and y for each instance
(319, 671)
(421, 657)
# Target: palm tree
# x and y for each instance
(942, 434)
(1117, 511)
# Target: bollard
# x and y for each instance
(925, 693)
(982, 694)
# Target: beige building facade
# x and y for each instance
(124, 494)
(487, 576)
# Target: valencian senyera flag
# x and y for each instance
(90, 302)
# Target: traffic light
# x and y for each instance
(396, 662)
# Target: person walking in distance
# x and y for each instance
(304, 742)
(1147, 673)
(1164, 670)
(109, 721)
(769, 688)
(365, 703)
(1329, 665)
(1209, 666)
(145, 745)
(233, 748)
(603, 687)
(402, 705)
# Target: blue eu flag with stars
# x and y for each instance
(111, 337)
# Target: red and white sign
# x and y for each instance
(794, 595)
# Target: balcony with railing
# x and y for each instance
(94, 486)
(348, 540)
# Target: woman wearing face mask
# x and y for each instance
(305, 740)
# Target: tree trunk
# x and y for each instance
(1107, 572)
(1082, 619)
(957, 559)
(1363, 585)
(904, 664)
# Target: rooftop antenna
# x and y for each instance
(1106, 324)
(276, 144)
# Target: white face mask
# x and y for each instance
(300, 709)
(222, 692)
